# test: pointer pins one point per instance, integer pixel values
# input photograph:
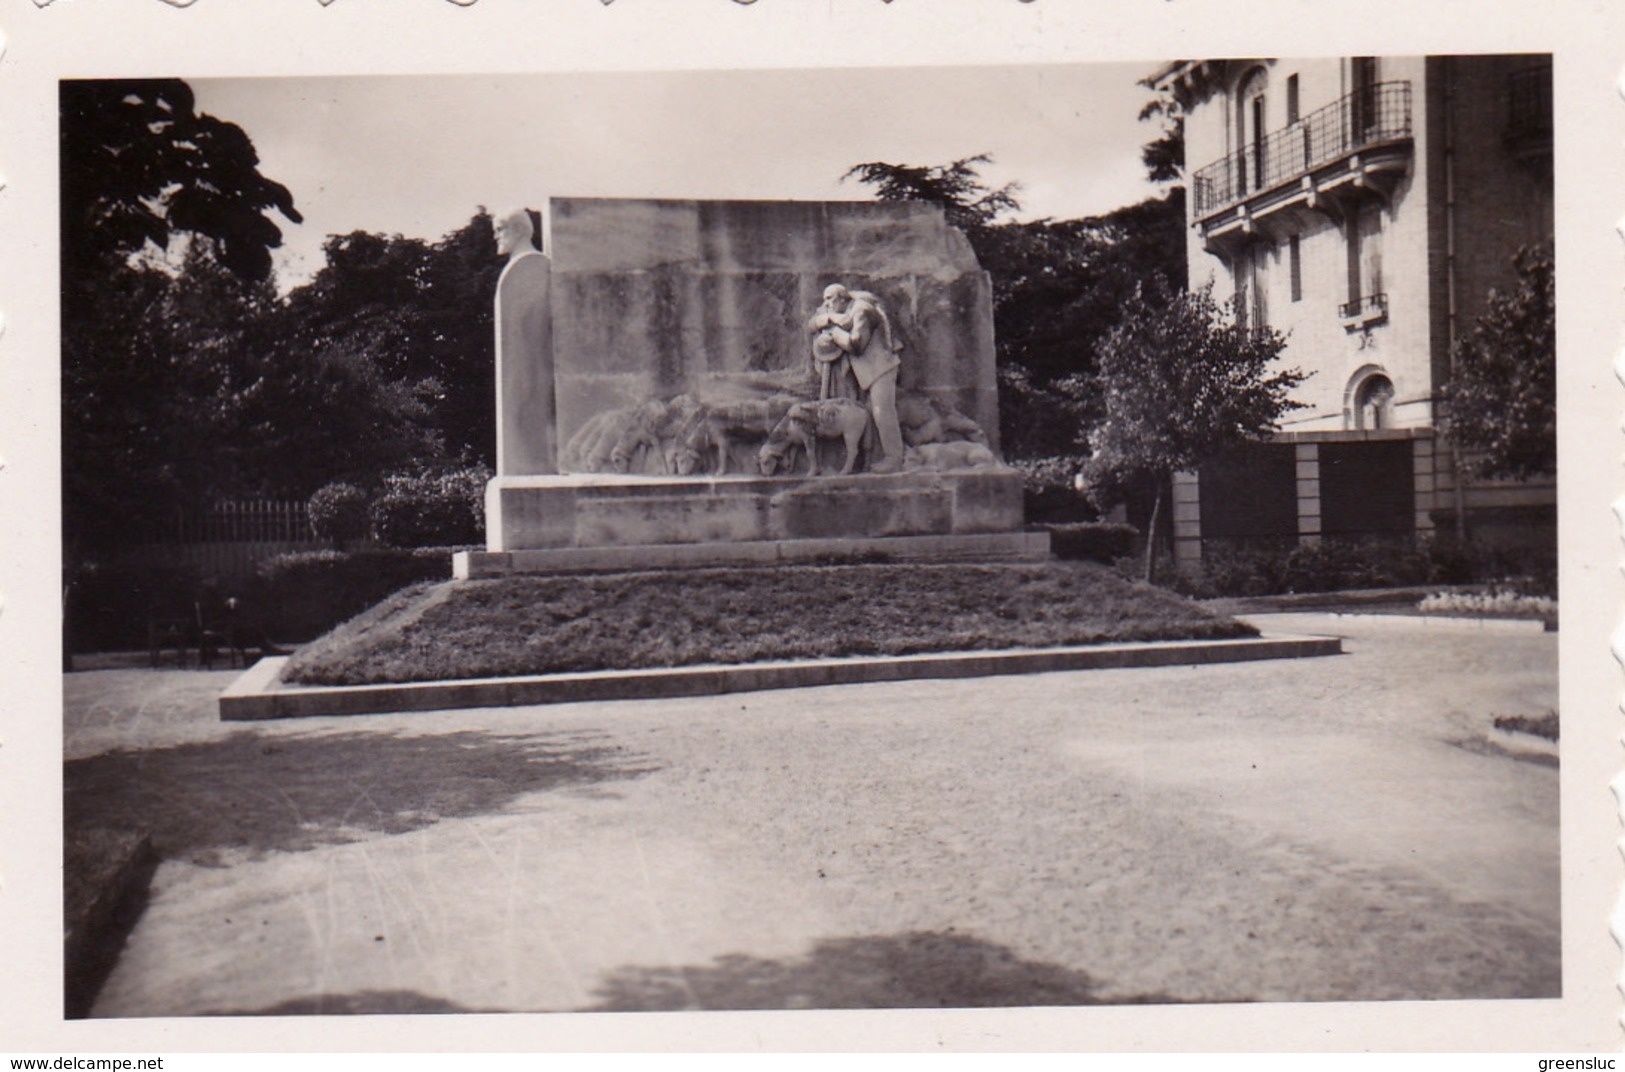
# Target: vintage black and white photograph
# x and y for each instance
(1067, 534)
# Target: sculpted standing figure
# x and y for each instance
(524, 351)
(851, 331)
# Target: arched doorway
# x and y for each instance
(1369, 403)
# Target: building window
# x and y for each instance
(1364, 103)
(1250, 270)
(1367, 302)
(1291, 99)
(1295, 264)
(1251, 122)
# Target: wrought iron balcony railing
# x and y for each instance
(1379, 113)
(1367, 309)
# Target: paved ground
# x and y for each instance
(1320, 829)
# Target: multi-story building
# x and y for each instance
(1364, 207)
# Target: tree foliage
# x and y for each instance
(970, 204)
(1501, 400)
(1164, 155)
(140, 164)
(416, 316)
(1181, 383)
(186, 378)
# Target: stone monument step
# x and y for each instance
(260, 694)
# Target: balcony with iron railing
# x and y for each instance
(1375, 116)
(1363, 311)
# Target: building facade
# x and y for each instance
(1364, 207)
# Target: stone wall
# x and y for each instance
(655, 298)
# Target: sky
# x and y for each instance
(419, 155)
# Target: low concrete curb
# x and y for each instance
(1465, 623)
(259, 694)
(93, 941)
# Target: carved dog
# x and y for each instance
(926, 420)
(693, 443)
(955, 454)
(720, 424)
(808, 422)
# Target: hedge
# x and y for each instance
(1094, 541)
(294, 597)
(1341, 565)
(304, 594)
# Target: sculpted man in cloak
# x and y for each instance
(856, 353)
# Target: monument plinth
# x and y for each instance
(731, 378)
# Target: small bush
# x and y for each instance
(1093, 541)
(432, 509)
(304, 594)
(339, 512)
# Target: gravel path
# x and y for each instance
(1328, 829)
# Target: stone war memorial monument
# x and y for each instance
(688, 383)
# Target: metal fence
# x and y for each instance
(230, 539)
(1377, 113)
(254, 521)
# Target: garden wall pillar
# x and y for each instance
(1308, 476)
(1187, 495)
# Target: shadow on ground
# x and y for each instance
(361, 1003)
(287, 794)
(917, 970)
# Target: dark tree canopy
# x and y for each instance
(958, 187)
(183, 385)
(1164, 156)
(1501, 400)
(186, 379)
(419, 315)
(139, 164)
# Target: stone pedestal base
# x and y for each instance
(626, 522)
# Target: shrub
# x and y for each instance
(432, 509)
(338, 512)
(303, 594)
(1335, 565)
(1048, 492)
(1237, 571)
(1094, 541)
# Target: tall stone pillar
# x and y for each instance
(1308, 481)
(527, 425)
(1187, 495)
(1423, 462)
